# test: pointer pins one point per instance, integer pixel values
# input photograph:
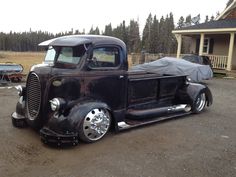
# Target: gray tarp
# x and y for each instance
(174, 66)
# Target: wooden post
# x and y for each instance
(230, 54)
(201, 44)
(179, 40)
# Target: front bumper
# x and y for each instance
(53, 138)
(18, 120)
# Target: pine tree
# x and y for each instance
(108, 30)
(171, 40)
(134, 37)
(154, 36)
(125, 32)
(147, 34)
(180, 24)
(162, 38)
(117, 32)
(97, 31)
(91, 31)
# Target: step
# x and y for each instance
(127, 123)
(139, 114)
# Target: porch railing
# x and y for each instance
(218, 61)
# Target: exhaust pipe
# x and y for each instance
(177, 108)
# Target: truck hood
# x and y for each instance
(41, 65)
(42, 69)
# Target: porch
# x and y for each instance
(215, 39)
(219, 62)
(220, 48)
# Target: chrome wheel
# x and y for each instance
(200, 102)
(96, 124)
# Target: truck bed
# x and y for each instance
(146, 88)
(144, 75)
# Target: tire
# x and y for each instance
(199, 103)
(95, 125)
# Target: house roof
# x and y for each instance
(224, 25)
(227, 11)
(228, 23)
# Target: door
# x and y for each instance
(106, 81)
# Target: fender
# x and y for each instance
(190, 91)
(20, 106)
(64, 124)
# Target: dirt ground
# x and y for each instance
(201, 145)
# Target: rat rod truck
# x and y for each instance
(84, 88)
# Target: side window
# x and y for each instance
(105, 57)
(66, 55)
(71, 54)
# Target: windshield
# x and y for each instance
(65, 54)
(50, 55)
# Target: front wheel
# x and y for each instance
(199, 103)
(94, 125)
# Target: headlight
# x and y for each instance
(19, 89)
(57, 103)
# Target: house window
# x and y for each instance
(206, 46)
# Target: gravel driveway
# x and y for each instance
(201, 145)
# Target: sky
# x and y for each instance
(62, 15)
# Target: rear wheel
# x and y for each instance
(199, 103)
(95, 125)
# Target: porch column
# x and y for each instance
(201, 44)
(230, 54)
(179, 40)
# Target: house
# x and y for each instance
(216, 39)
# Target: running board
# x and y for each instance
(141, 114)
(127, 124)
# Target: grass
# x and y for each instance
(26, 59)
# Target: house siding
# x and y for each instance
(221, 44)
(232, 14)
(193, 45)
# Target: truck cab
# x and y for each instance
(84, 88)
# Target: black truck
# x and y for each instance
(84, 88)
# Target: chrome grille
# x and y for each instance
(33, 96)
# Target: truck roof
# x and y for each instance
(74, 40)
